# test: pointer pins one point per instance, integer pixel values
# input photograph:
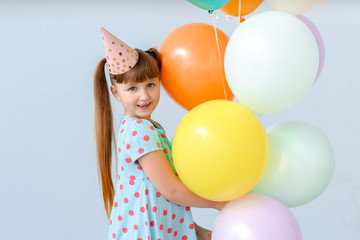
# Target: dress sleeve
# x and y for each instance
(141, 138)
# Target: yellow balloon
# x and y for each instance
(220, 150)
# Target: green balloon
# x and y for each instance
(300, 164)
(210, 5)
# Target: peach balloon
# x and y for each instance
(191, 71)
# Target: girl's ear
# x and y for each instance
(115, 92)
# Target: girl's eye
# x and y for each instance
(151, 85)
(132, 89)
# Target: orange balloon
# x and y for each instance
(247, 7)
(191, 72)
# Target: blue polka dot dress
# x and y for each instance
(140, 212)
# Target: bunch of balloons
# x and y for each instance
(220, 149)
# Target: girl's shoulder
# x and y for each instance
(137, 137)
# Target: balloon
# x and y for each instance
(255, 217)
(247, 7)
(219, 150)
(271, 61)
(191, 72)
(209, 4)
(319, 41)
(294, 7)
(300, 164)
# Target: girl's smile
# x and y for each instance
(144, 106)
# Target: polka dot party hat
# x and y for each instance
(120, 57)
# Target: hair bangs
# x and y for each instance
(146, 68)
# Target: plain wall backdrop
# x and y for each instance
(48, 51)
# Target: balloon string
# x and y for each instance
(239, 11)
(218, 48)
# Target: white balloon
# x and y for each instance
(294, 7)
(271, 61)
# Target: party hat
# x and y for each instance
(120, 57)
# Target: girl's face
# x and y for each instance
(138, 99)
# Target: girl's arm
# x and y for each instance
(160, 173)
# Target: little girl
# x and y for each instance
(147, 201)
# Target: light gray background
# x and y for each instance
(48, 51)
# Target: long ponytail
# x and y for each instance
(104, 132)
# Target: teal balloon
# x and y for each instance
(300, 164)
(209, 4)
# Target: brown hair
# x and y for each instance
(148, 66)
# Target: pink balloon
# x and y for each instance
(255, 217)
(319, 40)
